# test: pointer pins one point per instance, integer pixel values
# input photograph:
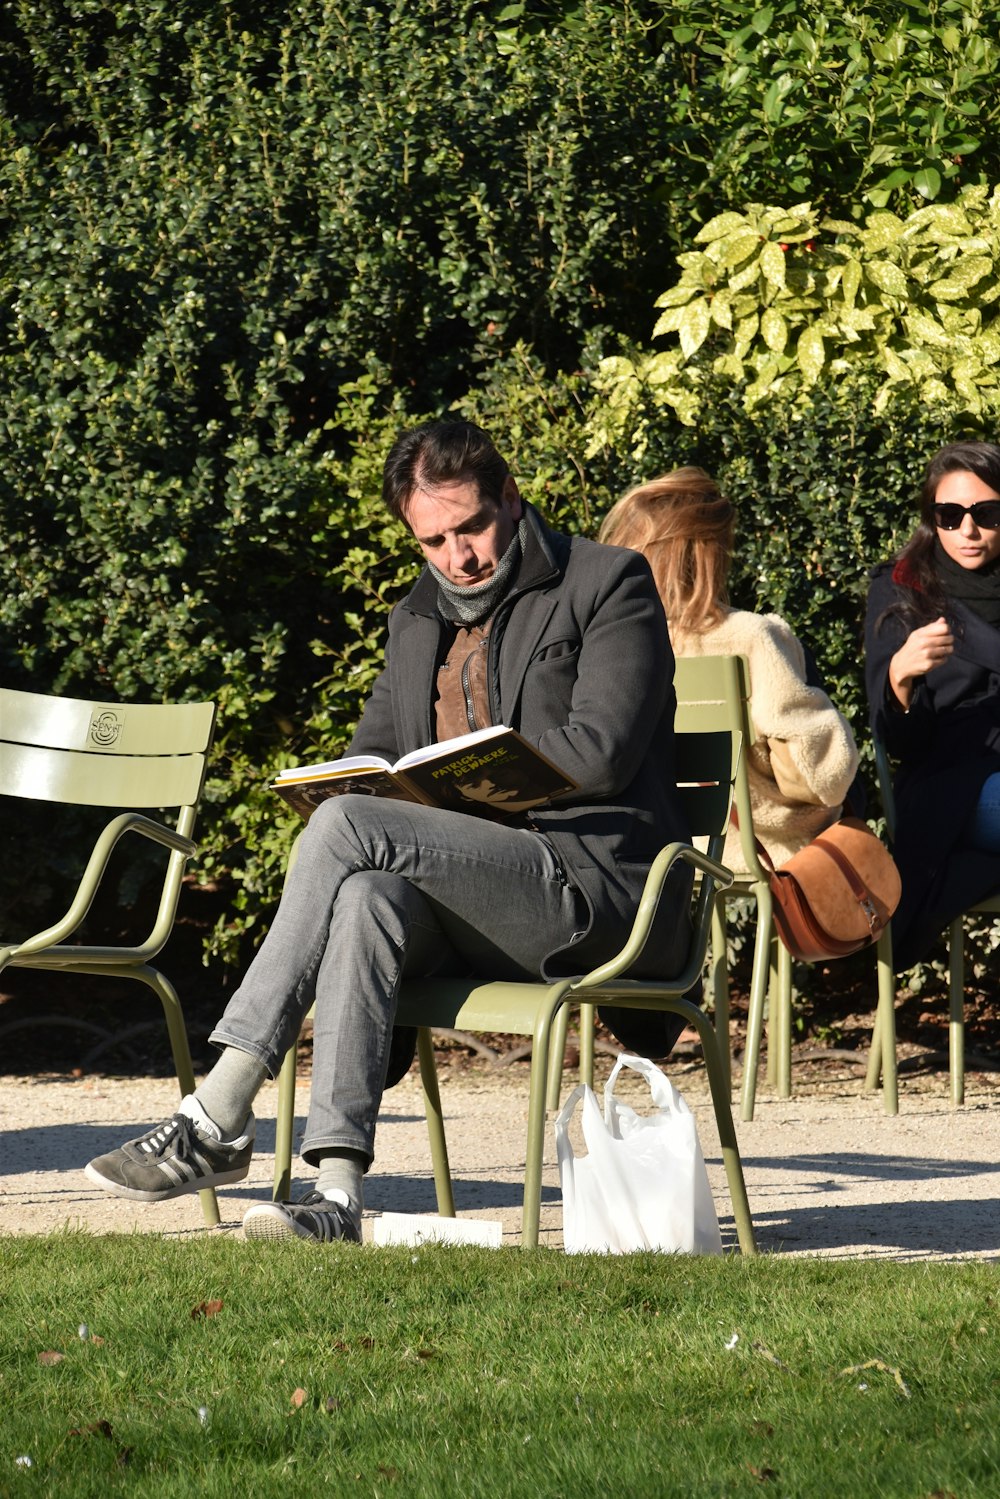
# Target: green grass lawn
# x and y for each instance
(221, 1367)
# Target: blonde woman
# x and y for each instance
(803, 758)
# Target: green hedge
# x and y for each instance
(243, 245)
(824, 489)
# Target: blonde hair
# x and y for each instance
(683, 526)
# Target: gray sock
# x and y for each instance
(228, 1092)
(344, 1171)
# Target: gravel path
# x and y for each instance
(828, 1173)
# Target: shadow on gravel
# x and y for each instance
(909, 1225)
(902, 1231)
(54, 1147)
(858, 1167)
(61, 1147)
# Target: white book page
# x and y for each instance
(446, 746)
(350, 764)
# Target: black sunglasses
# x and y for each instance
(985, 513)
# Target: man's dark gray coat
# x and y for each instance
(580, 663)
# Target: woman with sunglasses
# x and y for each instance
(933, 676)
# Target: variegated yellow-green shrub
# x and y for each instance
(775, 299)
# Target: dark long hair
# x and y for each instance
(914, 569)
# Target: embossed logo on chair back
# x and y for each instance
(105, 727)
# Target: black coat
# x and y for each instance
(946, 746)
(580, 663)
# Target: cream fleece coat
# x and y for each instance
(803, 758)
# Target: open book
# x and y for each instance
(491, 773)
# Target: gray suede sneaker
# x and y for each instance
(323, 1219)
(173, 1158)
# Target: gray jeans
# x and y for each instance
(383, 889)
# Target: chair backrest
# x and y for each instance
(883, 771)
(707, 764)
(98, 754)
(713, 693)
(707, 768)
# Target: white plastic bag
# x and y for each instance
(642, 1183)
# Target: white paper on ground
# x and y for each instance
(425, 1228)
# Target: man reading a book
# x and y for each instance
(510, 623)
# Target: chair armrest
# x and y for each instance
(126, 822)
(665, 860)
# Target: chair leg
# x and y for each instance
(557, 1054)
(284, 1127)
(285, 1123)
(727, 1130)
(435, 1122)
(782, 1021)
(874, 1070)
(719, 987)
(884, 1033)
(537, 1090)
(770, 1021)
(758, 994)
(956, 1006)
(588, 1015)
(181, 1050)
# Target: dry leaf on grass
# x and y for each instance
(877, 1363)
(206, 1309)
(123, 1456)
(299, 1398)
(772, 1358)
(50, 1356)
(95, 1429)
(761, 1429)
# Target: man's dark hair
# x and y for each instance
(442, 453)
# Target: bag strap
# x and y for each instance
(762, 853)
(660, 1087)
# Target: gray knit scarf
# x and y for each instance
(470, 606)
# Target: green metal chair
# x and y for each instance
(713, 692)
(883, 1053)
(706, 770)
(126, 756)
